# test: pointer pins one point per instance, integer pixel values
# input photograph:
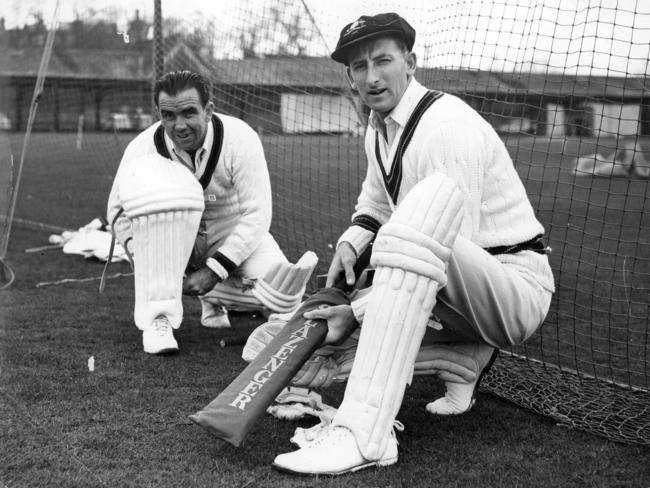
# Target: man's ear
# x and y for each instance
(209, 109)
(411, 62)
(350, 79)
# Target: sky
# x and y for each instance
(576, 36)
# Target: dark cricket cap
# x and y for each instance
(366, 27)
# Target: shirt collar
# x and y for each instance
(400, 114)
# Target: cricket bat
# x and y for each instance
(232, 414)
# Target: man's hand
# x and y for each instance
(200, 282)
(340, 322)
(343, 261)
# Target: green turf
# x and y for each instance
(126, 423)
(597, 227)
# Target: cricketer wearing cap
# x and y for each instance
(196, 186)
(460, 267)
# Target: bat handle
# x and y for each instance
(363, 261)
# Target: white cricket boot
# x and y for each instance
(159, 337)
(214, 316)
(302, 437)
(461, 397)
(334, 452)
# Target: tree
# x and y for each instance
(275, 30)
(198, 36)
(248, 41)
(292, 23)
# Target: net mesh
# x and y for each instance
(563, 83)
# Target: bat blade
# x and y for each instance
(232, 414)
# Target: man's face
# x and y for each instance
(379, 70)
(184, 118)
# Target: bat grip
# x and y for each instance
(363, 261)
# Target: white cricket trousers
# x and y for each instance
(487, 300)
(234, 292)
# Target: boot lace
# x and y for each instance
(161, 325)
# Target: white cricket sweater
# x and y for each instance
(454, 139)
(238, 204)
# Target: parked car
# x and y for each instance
(5, 122)
(141, 121)
(123, 121)
(118, 121)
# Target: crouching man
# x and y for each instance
(191, 201)
(460, 267)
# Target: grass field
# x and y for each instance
(126, 423)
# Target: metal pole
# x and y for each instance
(158, 56)
(38, 91)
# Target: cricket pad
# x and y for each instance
(164, 202)
(410, 256)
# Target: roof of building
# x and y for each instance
(295, 72)
(77, 64)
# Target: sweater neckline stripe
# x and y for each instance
(393, 179)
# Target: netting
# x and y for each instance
(563, 83)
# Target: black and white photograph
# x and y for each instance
(325, 243)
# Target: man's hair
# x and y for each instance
(176, 81)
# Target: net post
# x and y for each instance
(158, 57)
